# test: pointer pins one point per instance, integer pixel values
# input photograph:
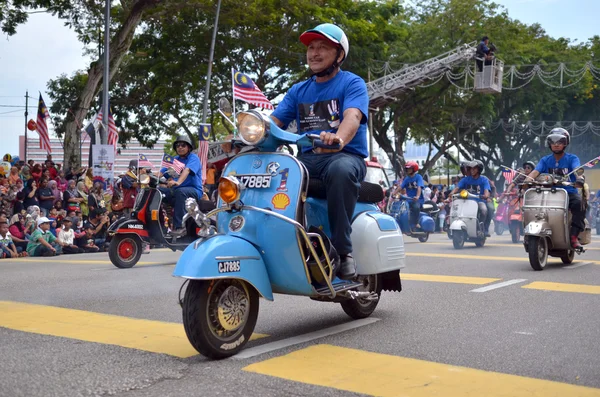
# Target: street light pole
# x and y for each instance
(210, 62)
(105, 99)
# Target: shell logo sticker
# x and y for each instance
(280, 201)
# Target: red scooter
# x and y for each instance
(501, 219)
(515, 216)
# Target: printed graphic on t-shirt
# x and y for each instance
(558, 171)
(474, 189)
(319, 116)
(412, 185)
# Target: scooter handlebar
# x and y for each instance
(317, 142)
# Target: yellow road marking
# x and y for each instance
(448, 279)
(384, 375)
(147, 335)
(524, 258)
(84, 261)
(562, 287)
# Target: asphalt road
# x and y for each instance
(470, 322)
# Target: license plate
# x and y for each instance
(255, 181)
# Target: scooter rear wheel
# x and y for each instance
(219, 316)
(499, 228)
(515, 233)
(538, 252)
(360, 307)
(568, 257)
(125, 250)
(424, 238)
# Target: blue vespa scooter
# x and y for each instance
(272, 237)
(399, 208)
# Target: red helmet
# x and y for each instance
(413, 165)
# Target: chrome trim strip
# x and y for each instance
(235, 258)
(222, 278)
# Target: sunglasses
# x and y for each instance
(181, 145)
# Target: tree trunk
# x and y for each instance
(119, 46)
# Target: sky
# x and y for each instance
(43, 49)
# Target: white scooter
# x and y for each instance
(464, 224)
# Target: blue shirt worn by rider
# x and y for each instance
(568, 162)
(320, 107)
(475, 186)
(411, 184)
(194, 179)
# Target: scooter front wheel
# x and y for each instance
(567, 257)
(125, 250)
(458, 239)
(219, 316)
(515, 232)
(363, 307)
(538, 252)
(499, 228)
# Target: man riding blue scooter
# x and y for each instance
(412, 186)
(334, 104)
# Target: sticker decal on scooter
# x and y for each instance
(280, 201)
(236, 223)
(229, 266)
(272, 168)
(135, 226)
(256, 163)
(284, 176)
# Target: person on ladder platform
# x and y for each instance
(483, 53)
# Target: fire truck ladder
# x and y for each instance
(385, 89)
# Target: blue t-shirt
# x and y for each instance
(194, 179)
(475, 186)
(411, 184)
(567, 163)
(320, 107)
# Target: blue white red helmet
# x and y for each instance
(329, 32)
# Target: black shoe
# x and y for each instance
(347, 268)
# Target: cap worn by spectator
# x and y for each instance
(43, 219)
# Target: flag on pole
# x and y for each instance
(169, 161)
(143, 161)
(203, 136)
(508, 174)
(245, 89)
(113, 133)
(593, 162)
(42, 127)
(91, 128)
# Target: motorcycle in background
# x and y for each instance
(399, 208)
(515, 216)
(501, 219)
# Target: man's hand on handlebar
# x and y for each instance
(329, 138)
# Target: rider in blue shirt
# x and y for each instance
(413, 186)
(333, 104)
(479, 185)
(187, 184)
(560, 163)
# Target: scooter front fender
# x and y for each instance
(536, 228)
(458, 225)
(225, 256)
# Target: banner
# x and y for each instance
(103, 162)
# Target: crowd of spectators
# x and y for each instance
(45, 211)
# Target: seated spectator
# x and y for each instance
(42, 242)
(67, 236)
(85, 240)
(14, 176)
(17, 232)
(45, 196)
(55, 192)
(7, 247)
(99, 221)
(20, 186)
(30, 193)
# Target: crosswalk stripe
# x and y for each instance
(480, 257)
(448, 279)
(562, 287)
(148, 335)
(385, 375)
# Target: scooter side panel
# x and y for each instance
(276, 239)
(555, 206)
(225, 256)
(316, 213)
(427, 223)
(466, 211)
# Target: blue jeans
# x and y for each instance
(342, 173)
(176, 198)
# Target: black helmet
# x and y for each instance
(133, 164)
(477, 164)
(185, 139)
(558, 135)
(530, 164)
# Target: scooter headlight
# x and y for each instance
(144, 179)
(252, 127)
(464, 194)
(229, 189)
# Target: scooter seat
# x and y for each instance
(368, 193)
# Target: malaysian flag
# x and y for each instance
(113, 133)
(593, 162)
(143, 161)
(203, 135)
(245, 89)
(42, 127)
(508, 174)
(169, 161)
